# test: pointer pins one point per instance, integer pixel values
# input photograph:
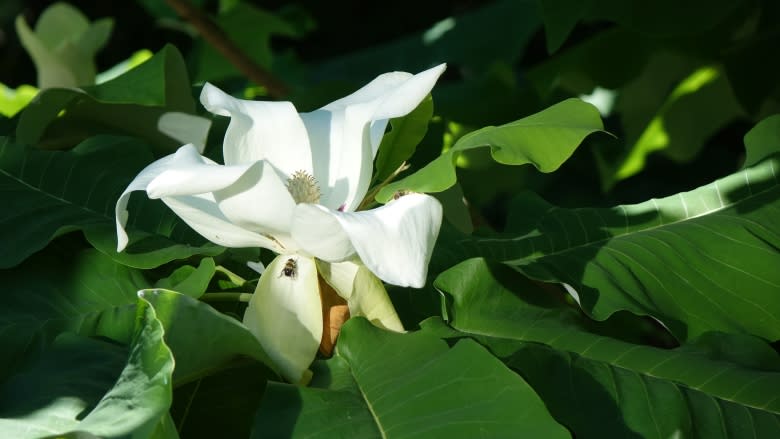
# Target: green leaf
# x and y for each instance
(399, 144)
(698, 261)
(545, 140)
(251, 28)
(699, 105)
(381, 384)
(560, 17)
(763, 140)
(602, 387)
(91, 386)
(189, 280)
(201, 338)
(49, 193)
(59, 291)
(132, 103)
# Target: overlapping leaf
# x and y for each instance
(130, 104)
(599, 386)
(83, 385)
(545, 140)
(48, 193)
(388, 385)
(699, 261)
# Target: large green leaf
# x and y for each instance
(545, 140)
(48, 193)
(698, 261)
(132, 104)
(83, 385)
(201, 338)
(57, 291)
(381, 384)
(88, 293)
(601, 387)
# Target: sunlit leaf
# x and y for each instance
(601, 387)
(381, 384)
(545, 140)
(699, 261)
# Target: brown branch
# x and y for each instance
(215, 36)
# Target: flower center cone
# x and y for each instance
(334, 313)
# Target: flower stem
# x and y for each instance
(368, 200)
(226, 297)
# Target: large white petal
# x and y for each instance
(202, 213)
(186, 128)
(394, 241)
(258, 200)
(141, 181)
(365, 294)
(183, 180)
(346, 133)
(285, 314)
(260, 130)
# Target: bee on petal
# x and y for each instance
(290, 269)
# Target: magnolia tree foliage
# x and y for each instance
(525, 219)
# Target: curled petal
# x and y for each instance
(285, 314)
(258, 200)
(365, 294)
(179, 180)
(260, 130)
(186, 128)
(202, 213)
(394, 241)
(345, 134)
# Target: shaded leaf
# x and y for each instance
(130, 104)
(399, 144)
(202, 339)
(97, 388)
(49, 193)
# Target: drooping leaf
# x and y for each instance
(381, 384)
(83, 385)
(48, 193)
(134, 103)
(601, 387)
(698, 261)
(545, 140)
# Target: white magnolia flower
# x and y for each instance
(291, 183)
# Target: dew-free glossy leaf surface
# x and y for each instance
(381, 384)
(48, 193)
(86, 385)
(699, 261)
(599, 386)
(545, 140)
